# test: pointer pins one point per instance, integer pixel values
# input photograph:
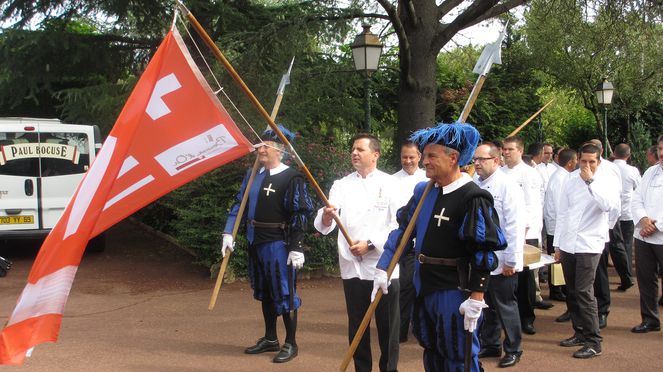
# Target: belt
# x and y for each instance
(437, 261)
(268, 225)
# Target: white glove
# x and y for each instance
(296, 259)
(228, 244)
(472, 311)
(380, 281)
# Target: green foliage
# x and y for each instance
(640, 141)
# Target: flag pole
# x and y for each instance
(219, 56)
(524, 124)
(488, 57)
(238, 219)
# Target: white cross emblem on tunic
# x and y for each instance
(441, 217)
(268, 189)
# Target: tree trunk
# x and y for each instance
(416, 105)
(417, 90)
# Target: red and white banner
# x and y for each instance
(171, 130)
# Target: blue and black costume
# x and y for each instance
(456, 232)
(277, 215)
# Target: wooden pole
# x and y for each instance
(524, 124)
(472, 99)
(219, 56)
(390, 269)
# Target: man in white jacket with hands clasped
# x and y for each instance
(366, 202)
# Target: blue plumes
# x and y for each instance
(462, 137)
(270, 135)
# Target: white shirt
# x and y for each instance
(367, 208)
(407, 182)
(583, 214)
(509, 202)
(617, 179)
(542, 168)
(531, 183)
(648, 202)
(551, 202)
(630, 181)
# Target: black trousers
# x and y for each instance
(526, 292)
(408, 293)
(579, 271)
(620, 255)
(387, 319)
(627, 234)
(502, 314)
(648, 258)
(602, 282)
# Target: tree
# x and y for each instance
(422, 33)
(579, 43)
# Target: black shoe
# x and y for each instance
(509, 360)
(572, 341)
(287, 353)
(565, 317)
(490, 353)
(624, 287)
(645, 327)
(557, 297)
(543, 305)
(528, 329)
(587, 352)
(603, 320)
(262, 346)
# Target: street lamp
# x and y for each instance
(366, 51)
(603, 93)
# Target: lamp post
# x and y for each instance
(603, 93)
(366, 51)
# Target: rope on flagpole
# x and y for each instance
(218, 84)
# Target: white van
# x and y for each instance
(42, 161)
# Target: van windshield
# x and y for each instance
(44, 154)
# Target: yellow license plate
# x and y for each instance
(14, 220)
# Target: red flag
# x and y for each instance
(171, 130)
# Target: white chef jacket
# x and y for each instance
(583, 214)
(551, 201)
(617, 179)
(531, 183)
(509, 203)
(367, 208)
(648, 202)
(545, 176)
(630, 181)
(407, 182)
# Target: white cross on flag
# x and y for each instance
(172, 130)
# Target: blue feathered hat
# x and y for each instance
(270, 135)
(461, 137)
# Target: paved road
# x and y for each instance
(142, 306)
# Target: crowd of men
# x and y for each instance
(461, 281)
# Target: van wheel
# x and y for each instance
(97, 244)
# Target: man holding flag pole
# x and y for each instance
(279, 206)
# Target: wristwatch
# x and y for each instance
(589, 181)
(371, 246)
